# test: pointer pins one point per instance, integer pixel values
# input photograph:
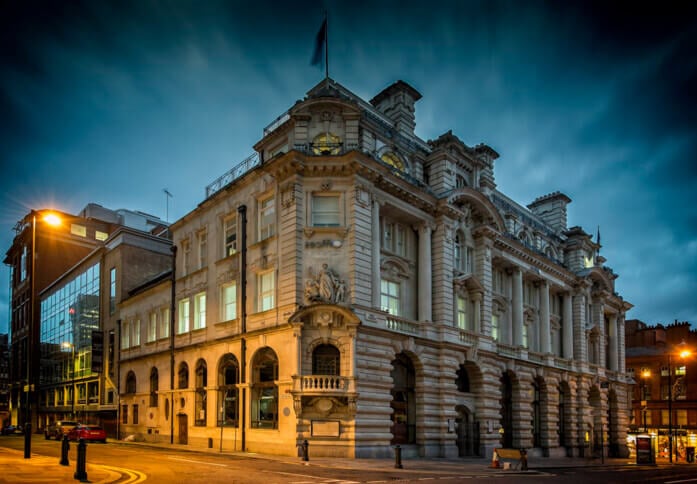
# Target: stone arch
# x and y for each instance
(264, 389)
(476, 203)
(228, 379)
(595, 403)
(508, 383)
(565, 415)
(403, 404)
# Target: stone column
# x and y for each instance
(621, 344)
(579, 317)
(567, 328)
(517, 310)
(476, 320)
(598, 310)
(375, 263)
(425, 292)
(545, 330)
(612, 344)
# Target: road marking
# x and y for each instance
(133, 477)
(682, 480)
(198, 462)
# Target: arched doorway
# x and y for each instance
(467, 432)
(597, 429)
(564, 423)
(403, 401)
(506, 411)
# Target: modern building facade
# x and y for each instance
(353, 285)
(47, 244)
(663, 362)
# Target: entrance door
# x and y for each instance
(183, 429)
(467, 434)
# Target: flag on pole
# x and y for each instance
(321, 47)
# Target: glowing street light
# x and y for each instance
(645, 375)
(684, 353)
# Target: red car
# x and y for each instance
(87, 432)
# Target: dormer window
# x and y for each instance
(326, 144)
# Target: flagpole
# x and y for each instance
(326, 46)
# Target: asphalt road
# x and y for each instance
(165, 465)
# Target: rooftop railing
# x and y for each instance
(233, 174)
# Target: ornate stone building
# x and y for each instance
(356, 286)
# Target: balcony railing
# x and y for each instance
(233, 174)
(322, 384)
(394, 323)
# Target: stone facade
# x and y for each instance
(358, 287)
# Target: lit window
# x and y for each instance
(525, 335)
(164, 323)
(183, 316)
(326, 144)
(229, 305)
(393, 160)
(681, 417)
(152, 327)
(325, 211)
(680, 370)
(267, 218)
(230, 236)
(267, 290)
(200, 311)
(79, 230)
(462, 321)
(101, 236)
(495, 327)
(125, 335)
(390, 297)
(136, 333)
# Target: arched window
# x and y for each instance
(326, 144)
(264, 389)
(201, 383)
(130, 382)
(326, 360)
(463, 380)
(228, 379)
(393, 160)
(183, 376)
(154, 386)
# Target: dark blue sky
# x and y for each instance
(110, 102)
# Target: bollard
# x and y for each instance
(80, 473)
(397, 457)
(306, 452)
(65, 448)
(27, 440)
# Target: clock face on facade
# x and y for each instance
(392, 160)
(326, 144)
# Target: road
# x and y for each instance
(138, 464)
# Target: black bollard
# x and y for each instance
(306, 451)
(397, 457)
(27, 440)
(65, 448)
(80, 472)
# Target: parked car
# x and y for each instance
(59, 428)
(88, 432)
(12, 430)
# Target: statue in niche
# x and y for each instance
(325, 287)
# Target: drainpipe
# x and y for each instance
(172, 307)
(242, 210)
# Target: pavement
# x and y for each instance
(14, 468)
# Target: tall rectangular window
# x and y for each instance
(124, 414)
(469, 259)
(152, 327)
(681, 417)
(230, 236)
(112, 290)
(125, 335)
(183, 316)
(135, 341)
(390, 297)
(495, 327)
(267, 291)
(325, 211)
(164, 323)
(394, 237)
(229, 305)
(525, 335)
(23, 263)
(200, 311)
(267, 216)
(202, 249)
(135, 414)
(462, 321)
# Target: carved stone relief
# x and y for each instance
(325, 287)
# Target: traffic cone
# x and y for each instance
(495, 460)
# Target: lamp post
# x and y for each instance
(67, 344)
(645, 375)
(684, 353)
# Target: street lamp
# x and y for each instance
(645, 375)
(684, 353)
(67, 344)
(54, 220)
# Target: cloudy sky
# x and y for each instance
(111, 102)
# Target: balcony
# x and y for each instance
(323, 385)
